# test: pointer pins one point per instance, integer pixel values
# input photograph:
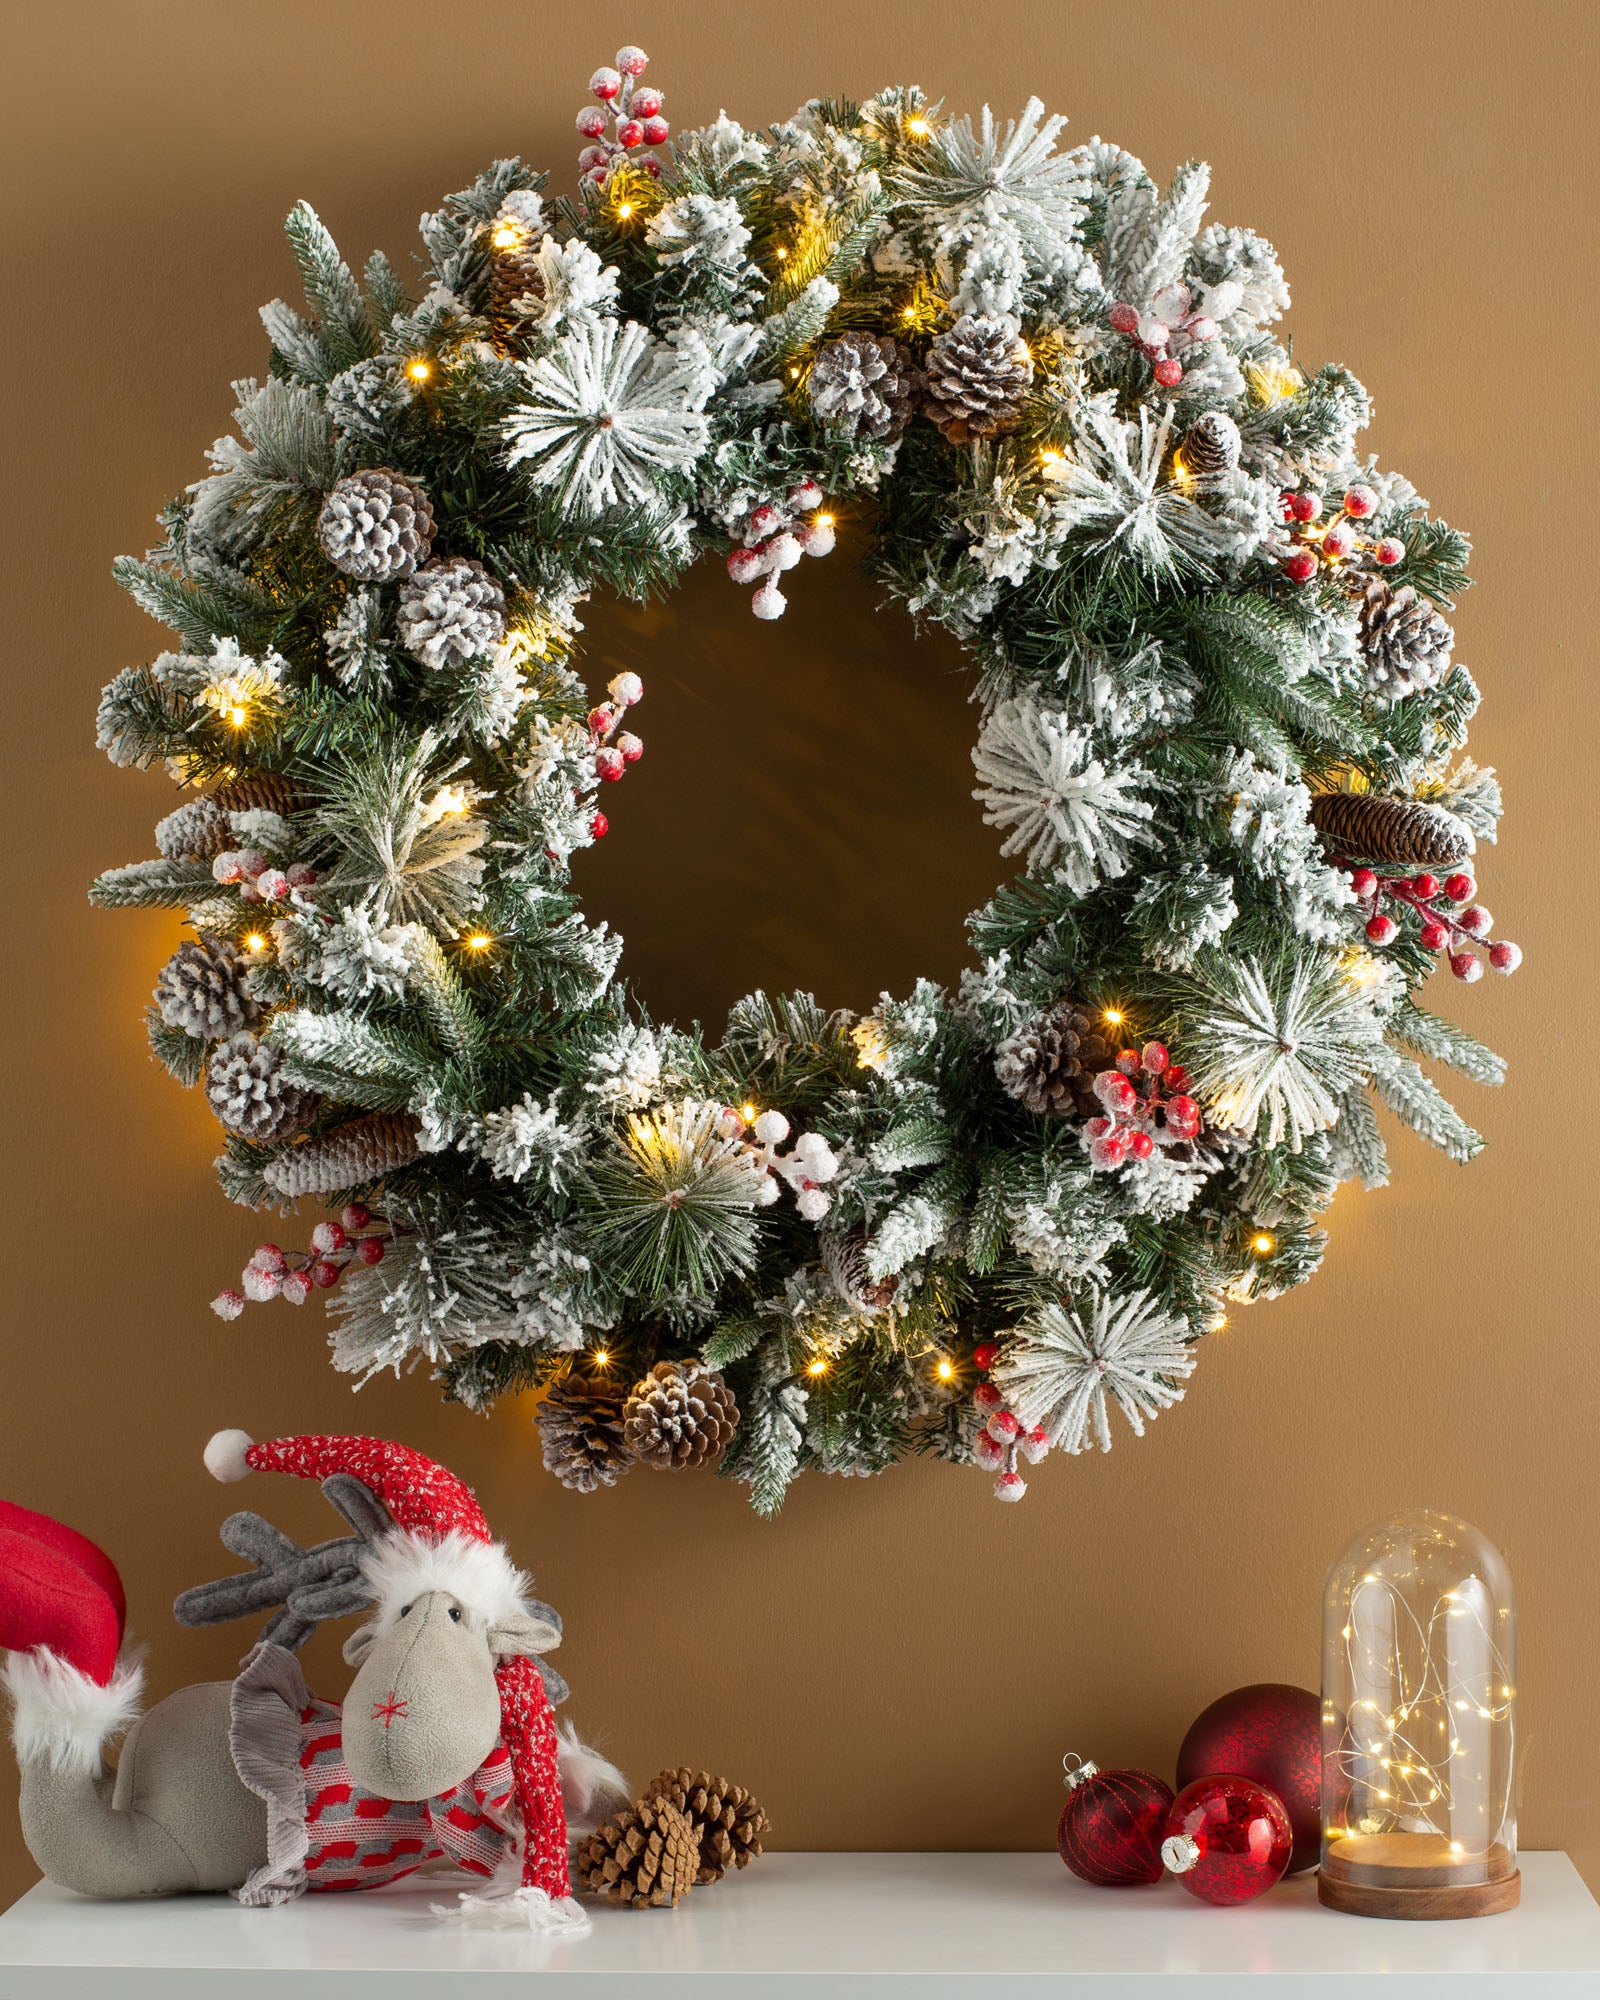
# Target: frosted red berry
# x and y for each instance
(1155, 1058)
(1124, 319)
(630, 133)
(985, 1354)
(987, 1397)
(609, 765)
(1460, 888)
(599, 826)
(1338, 541)
(355, 1216)
(323, 1274)
(1426, 886)
(1003, 1426)
(1389, 551)
(1010, 1486)
(1360, 503)
(1177, 1077)
(1301, 567)
(1434, 935)
(1381, 929)
(1168, 372)
(1141, 1145)
(1305, 506)
(656, 131)
(1476, 921)
(1183, 1117)
(370, 1250)
(1466, 966)
(1505, 956)
(1363, 881)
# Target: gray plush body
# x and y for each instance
(173, 1817)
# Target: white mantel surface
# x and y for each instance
(793, 1925)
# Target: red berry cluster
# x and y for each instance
(258, 879)
(1316, 543)
(1147, 1104)
(615, 748)
(1449, 919)
(1004, 1439)
(635, 108)
(294, 1274)
(774, 541)
(1176, 322)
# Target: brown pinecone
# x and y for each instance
(1051, 1062)
(864, 385)
(977, 377)
(680, 1415)
(514, 274)
(726, 1819)
(580, 1432)
(376, 525)
(249, 1093)
(202, 990)
(1401, 833)
(198, 830)
(350, 1156)
(257, 791)
(644, 1856)
(845, 1259)
(1211, 446)
(1406, 643)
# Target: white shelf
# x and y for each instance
(840, 1925)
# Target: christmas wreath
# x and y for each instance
(1220, 727)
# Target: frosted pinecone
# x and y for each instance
(451, 611)
(844, 1257)
(198, 831)
(864, 385)
(1211, 447)
(977, 377)
(580, 1432)
(203, 990)
(250, 1094)
(1051, 1062)
(376, 525)
(680, 1415)
(351, 1156)
(1405, 641)
(516, 277)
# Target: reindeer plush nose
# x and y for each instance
(423, 1712)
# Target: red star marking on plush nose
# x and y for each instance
(389, 1711)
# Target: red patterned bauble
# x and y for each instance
(1111, 1825)
(1227, 1839)
(1272, 1733)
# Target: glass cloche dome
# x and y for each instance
(1419, 1759)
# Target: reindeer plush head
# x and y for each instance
(448, 1660)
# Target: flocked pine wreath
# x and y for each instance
(1219, 732)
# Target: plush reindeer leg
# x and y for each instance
(175, 1816)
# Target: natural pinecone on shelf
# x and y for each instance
(680, 1415)
(580, 1432)
(864, 385)
(977, 377)
(257, 791)
(1400, 833)
(844, 1257)
(250, 1094)
(726, 1819)
(203, 989)
(1050, 1063)
(515, 235)
(198, 830)
(1211, 447)
(376, 525)
(350, 1156)
(645, 1856)
(450, 611)
(1405, 642)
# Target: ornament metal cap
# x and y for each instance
(1179, 1852)
(1079, 1770)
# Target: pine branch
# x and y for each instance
(1423, 1034)
(152, 885)
(343, 323)
(1417, 1102)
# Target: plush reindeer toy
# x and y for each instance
(445, 1745)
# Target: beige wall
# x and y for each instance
(894, 1662)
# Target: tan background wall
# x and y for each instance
(896, 1662)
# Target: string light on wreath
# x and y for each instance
(774, 539)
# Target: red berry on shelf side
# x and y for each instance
(1227, 1840)
(1270, 1732)
(1112, 1824)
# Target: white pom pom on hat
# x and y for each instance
(225, 1455)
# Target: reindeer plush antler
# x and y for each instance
(310, 1584)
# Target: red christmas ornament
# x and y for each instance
(1111, 1826)
(1227, 1839)
(1273, 1734)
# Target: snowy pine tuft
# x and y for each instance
(1066, 1366)
(1064, 810)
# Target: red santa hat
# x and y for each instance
(442, 1542)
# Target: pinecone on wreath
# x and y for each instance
(643, 1857)
(844, 1257)
(450, 611)
(250, 1094)
(977, 377)
(864, 385)
(376, 525)
(581, 1434)
(1405, 641)
(1400, 833)
(1050, 1063)
(203, 990)
(198, 830)
(1211, 447)
(350, 1156)
(726, 1820)
(515, 276)
(680, 1415)
(258, 791)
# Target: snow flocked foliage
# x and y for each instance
(388, 759)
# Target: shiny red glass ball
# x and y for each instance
(1111, 1826)
(1227, 1839)
(1272, 1733)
